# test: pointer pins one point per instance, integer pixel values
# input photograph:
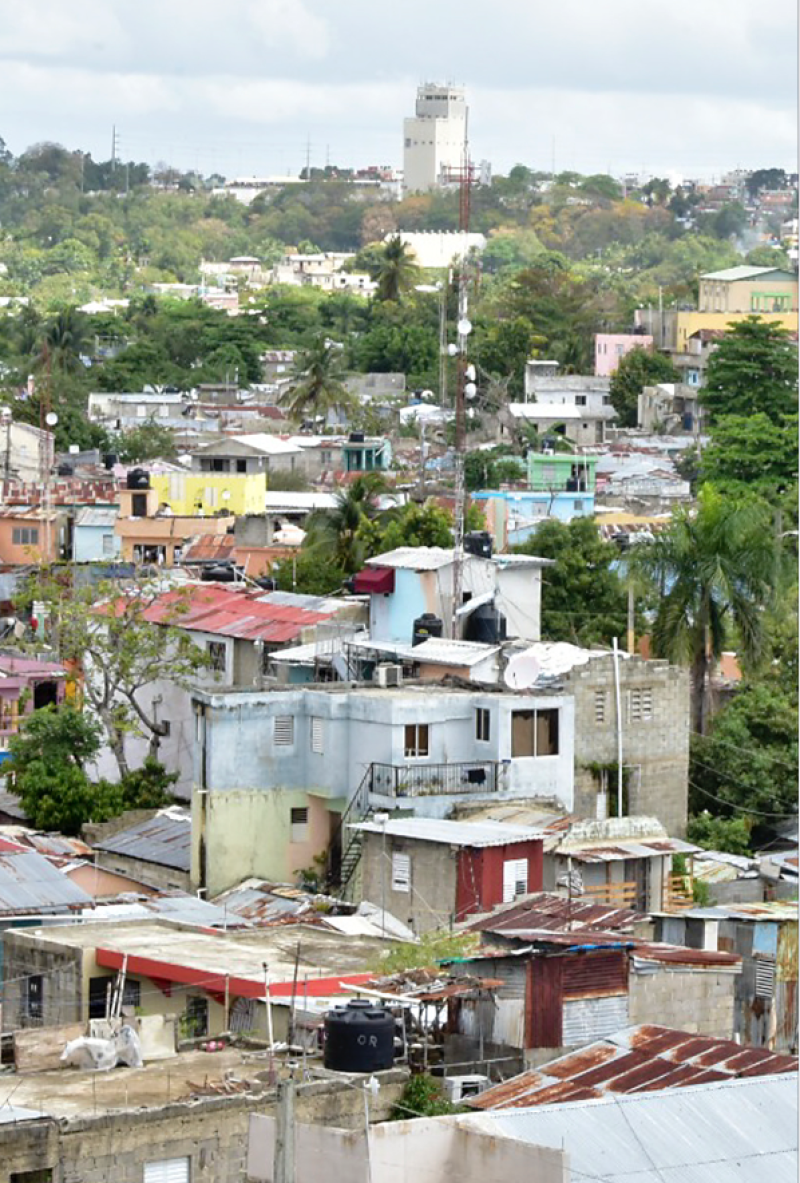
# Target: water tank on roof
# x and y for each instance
(486, 625)
(426, 626)
(218, 574)
(138, 478)
(356, 437)
(359, 1037)
(266, 583)
(109, 460)
(64, 469)
(478, 542)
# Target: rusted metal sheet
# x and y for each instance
(544, 1002)
(589, 975)
(553, 912)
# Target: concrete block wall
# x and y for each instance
(659, 747)
(62, 982)
(697, 1000)
(211, 1132)
(432, 899)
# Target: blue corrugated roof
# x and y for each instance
(30, 884)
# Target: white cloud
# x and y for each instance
(290, 24)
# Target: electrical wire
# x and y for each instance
(739, 808)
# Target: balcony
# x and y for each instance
(433, 780)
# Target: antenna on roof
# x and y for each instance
(521, 672)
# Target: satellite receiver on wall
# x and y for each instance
(521, 672)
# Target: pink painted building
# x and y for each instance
(609, 348)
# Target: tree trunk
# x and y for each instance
(699, 691)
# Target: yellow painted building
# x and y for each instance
(735, 293)
(189, 494)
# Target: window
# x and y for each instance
(33, 998)
(515, 879)
(139, 505)
(217, 651)
(299, 824)
(108, 544)
(640, 704)
(44, 1175)
(580, 400)
(98, 993)
(600, 706)
(482, 724)
(25, 536)
(534, 733)
(326, 457)
(167, 1170)
(765, 977)
(401, 871)
(166, 727)
(241, 466)
(196, 1016)
(316, 736)
(283, 731)
(416, 739)
(210, 496)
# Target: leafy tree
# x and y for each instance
(320, 388)
(757, 452)
(638, 369)
(730, 221)
(397, 270)
(422, 1096)
(715, 568)
(121, 653)
(754, 368)
(147, 441)
(747, 764)
(768, 256)
(415, 525)
(584, 599)
(65, 339)
(765, 178)
(309, 572)
(338, 532)
(720, 833)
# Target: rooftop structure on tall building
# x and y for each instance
(433, 139)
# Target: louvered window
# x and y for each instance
(299, 824)
(640, 704)
(599, 706)
(765, 977)
(283, 733)
(316, 736)
(167, 1170)
(401, 871)
(515, 879)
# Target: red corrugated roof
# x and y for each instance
(230, 612)
(641, 1059)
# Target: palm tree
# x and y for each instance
(337, 530)
(65, 338)
(319, 388)
(397, 271)
(716, 569)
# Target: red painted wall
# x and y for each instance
(479, 876)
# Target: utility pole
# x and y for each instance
(113, 147)
(631, 639)
(283, 1165)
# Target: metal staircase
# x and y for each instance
(344, 852)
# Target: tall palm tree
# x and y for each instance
(337, 530)
(319, 388)
(397, 270)
(716, 569)
(65, 338)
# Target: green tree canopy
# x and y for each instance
(319, 388)
(584, 599)
(757, 452)
(397, 270)
(753, 369)
(638, 369)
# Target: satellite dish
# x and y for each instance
(521, 672)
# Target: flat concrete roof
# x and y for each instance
(163, 950)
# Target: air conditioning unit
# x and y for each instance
(458, 1088)
(388, 675)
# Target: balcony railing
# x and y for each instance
(432, 780)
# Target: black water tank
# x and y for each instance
(218, 574)
(359, 1037)
(478, 542)
(266, 583)
(426, 626)
(356, 437)
(110, 459)
(486, 625)
(65, 469)
(138, 478)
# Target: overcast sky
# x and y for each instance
(689, 87)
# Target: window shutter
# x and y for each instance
(316, 736)
(167, 1170)
(599, 706)
(401, 872)
(283, 733)
(515, 879)
(765, 977)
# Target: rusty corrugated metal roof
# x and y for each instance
(548, 911)
(164, 839)
(639, 1059)
(226, 611)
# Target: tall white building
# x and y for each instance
(434, 137)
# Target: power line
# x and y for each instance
(739, 808)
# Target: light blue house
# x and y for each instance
(511, 517)
(94, 538)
